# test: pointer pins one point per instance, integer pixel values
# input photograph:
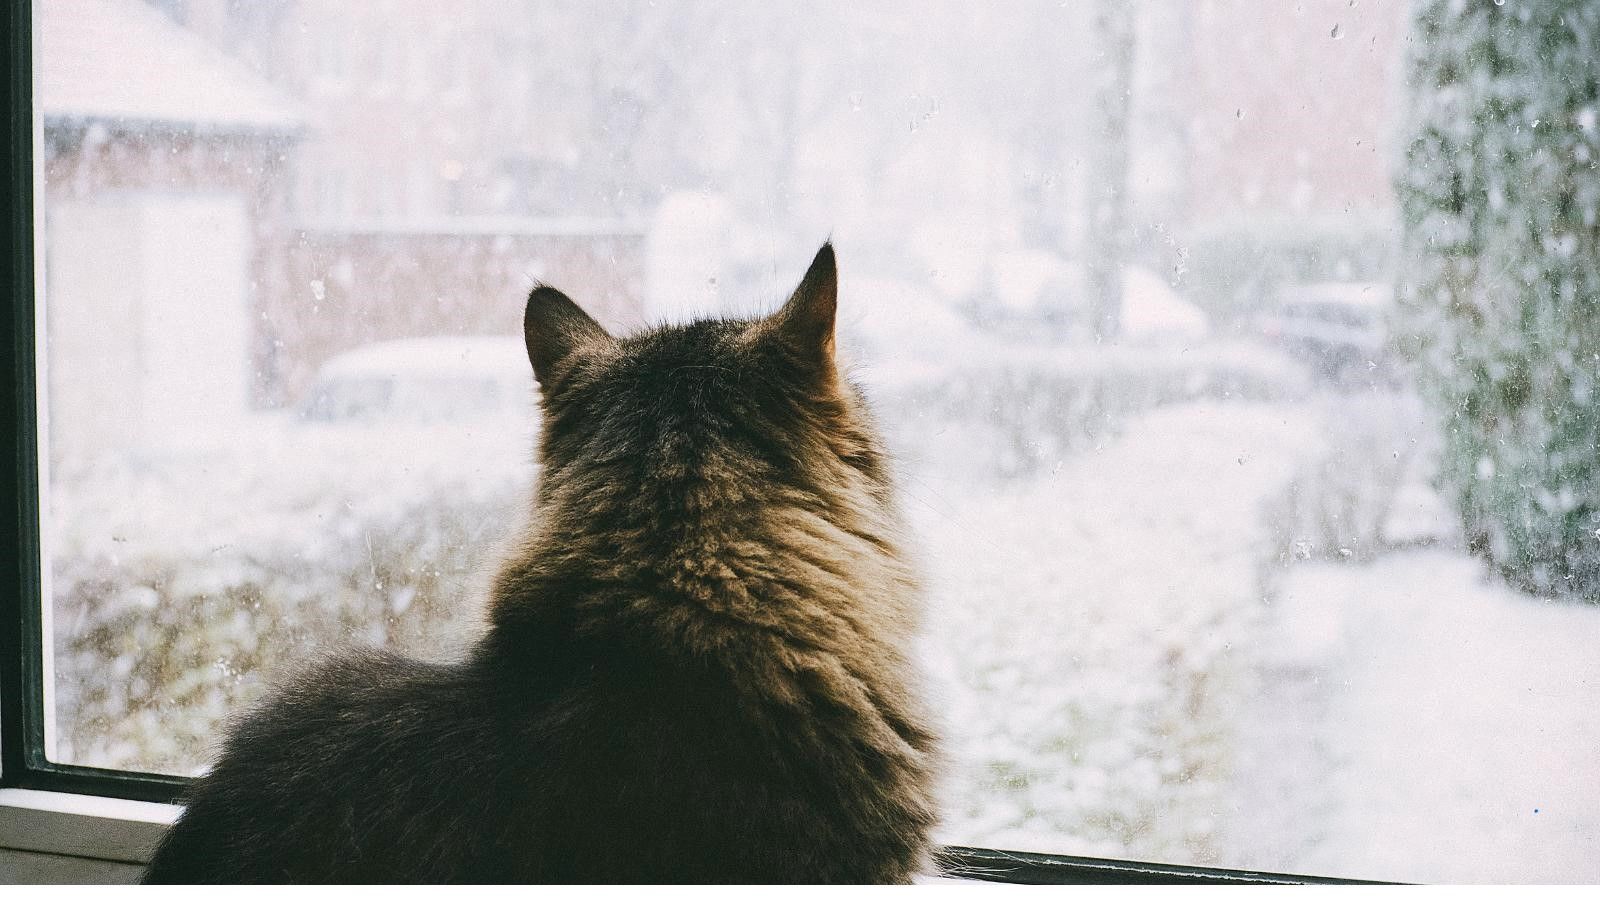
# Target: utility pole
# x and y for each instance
(1114, 22)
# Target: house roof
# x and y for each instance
(124, 62)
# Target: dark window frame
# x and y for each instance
(22, 759)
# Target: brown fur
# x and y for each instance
(697, 667)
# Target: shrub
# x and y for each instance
(1013, 416)
(1234, 269)
(183, 586)
(1338, 501)
(1501, 280)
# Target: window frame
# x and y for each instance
(104, 814)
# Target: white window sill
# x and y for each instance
(82, 825)
(86, 827)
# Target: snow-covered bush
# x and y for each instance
(1094, 629)
(182, 586)
(1338, 502)
(1027, 409)
(1501, 276)
(1233, 269)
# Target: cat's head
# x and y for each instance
(716, 408)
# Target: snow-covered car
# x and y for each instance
(1039, 293)
(424, 380)
(1337, 328)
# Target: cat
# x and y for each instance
(697, 662)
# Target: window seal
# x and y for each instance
(22, 759)
(23, 766)
(19, 561)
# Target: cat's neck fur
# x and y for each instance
(701, 543)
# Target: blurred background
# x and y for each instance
(1237, 356)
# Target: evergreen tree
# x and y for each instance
(1500, 292)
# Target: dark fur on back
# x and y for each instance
(696, 668)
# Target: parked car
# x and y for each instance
(1337, 328)
(422, 381)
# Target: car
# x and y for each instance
(423, 381)
(1337, 328)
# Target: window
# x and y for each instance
(1141, 292)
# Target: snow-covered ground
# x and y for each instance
(1091, 631)
(1417, 722)
(1131, 665)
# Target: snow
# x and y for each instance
(1020, 277)
(289, 476)
(686, 273)
(504, 357)
(1090, 628)
(1152, 309)
(484, 226)
(1369, 297)
(209, 572)
(124, 61)
(889, 322)
(1125, 671)
(1433, 726)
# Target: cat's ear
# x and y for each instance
(805, 323)
(555, 329)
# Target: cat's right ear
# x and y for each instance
(805, 323)
(555, 330)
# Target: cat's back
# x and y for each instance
(672, 766)
(361, 769)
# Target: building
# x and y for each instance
(416, 197)
(164, 220)
(1291, 112)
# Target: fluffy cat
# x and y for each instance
(697, 662)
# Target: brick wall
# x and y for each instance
(344, 289)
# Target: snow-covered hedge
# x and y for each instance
(1501, 276)
(1095, 630)
(1025, 410)
(1233, 269)
(183, 584)
(1342, 495)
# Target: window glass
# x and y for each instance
(1141, 291)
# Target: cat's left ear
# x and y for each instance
(555, 330)
(805, 323)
